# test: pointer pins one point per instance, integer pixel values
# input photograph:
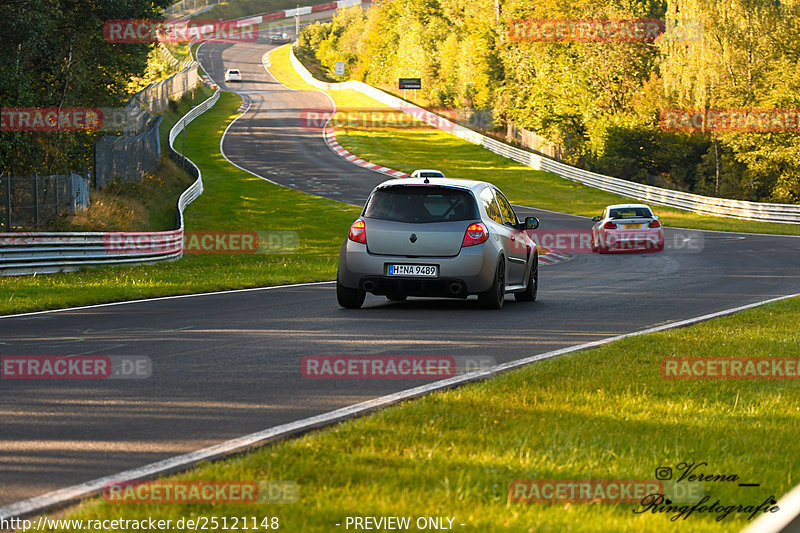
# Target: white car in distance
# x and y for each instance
(233, 74)
(427, 173)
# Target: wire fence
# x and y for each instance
(130, 156)
(155, 97)
(124, 158)
(186, 7)
(534, 142)
(30, 201)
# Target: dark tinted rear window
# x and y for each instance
(631, 212)
(421, 204)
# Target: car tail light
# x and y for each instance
(609, 225)
(358, 233)
(476, 234)
(654, 224)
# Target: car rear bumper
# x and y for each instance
(470, 272)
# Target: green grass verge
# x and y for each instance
(424, 147)
(180, 51)
(233, 199)
(599, 414)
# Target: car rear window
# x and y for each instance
(631, 212)
(404, 203)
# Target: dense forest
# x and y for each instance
(53, 54)
(601, 101)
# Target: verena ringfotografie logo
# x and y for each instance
(411, 117)
(200, 492)
(693, 476)
(391, 366)
(748, 120)
(75, 367)
(153, 31)
(203, 242)
(582, 490)
(734, 368)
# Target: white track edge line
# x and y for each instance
(775, 523)
(172, 297)
(68, 495)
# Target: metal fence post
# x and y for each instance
(36, 199)
(56, 191)
(183, 148)
(8, 202)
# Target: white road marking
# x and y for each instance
(62, 497)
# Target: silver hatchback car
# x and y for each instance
(438, 237)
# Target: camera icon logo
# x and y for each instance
(663, 473)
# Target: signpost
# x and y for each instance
(410, 83)
(339, 68)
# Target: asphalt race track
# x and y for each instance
(272, 140)
(226, 365)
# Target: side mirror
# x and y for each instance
(531, 222)
(595, 219)
(656, 217)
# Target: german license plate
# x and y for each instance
(424, 271)
(633, 226)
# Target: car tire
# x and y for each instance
(529, 294)
(495, 296)
(349, 298)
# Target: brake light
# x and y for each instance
(358, 233)
(609, 225)
(476, 234)
(654, 224)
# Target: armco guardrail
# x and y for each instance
(48, 252)
(763, 212)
